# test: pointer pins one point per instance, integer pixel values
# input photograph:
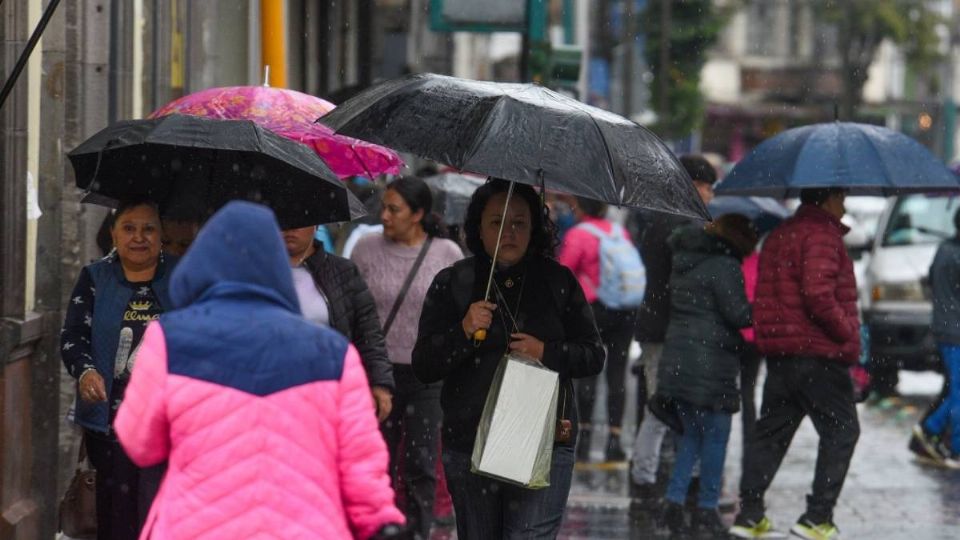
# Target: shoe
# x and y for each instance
(614, 450)
(707, 520)
(672, 517)
(583, 446)
(644, 496)
(932, 449)
(823, 531)
(744, 528)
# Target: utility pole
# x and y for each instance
(629, 41)
(664, 75)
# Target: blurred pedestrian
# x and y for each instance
(399, 265)
(807, 327)
(582, 251)
(178, 234)
(701, 358)
(650, 230)
(112, 302)
(538, 310)
(929, 436)
(264, 416)
(332, 292)
(750, 360)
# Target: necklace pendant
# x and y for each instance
(509, 283)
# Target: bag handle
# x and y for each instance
(406, 286)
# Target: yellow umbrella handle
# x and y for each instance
(480, 334)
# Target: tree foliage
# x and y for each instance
(695, 25)
(864, 24)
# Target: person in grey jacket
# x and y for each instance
(701, 357)
(928, 436)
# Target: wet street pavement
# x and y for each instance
(887, 494)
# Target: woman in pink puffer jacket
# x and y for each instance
(265, 418)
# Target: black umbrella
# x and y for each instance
(524, 133)
(192, 166)
(454, 191)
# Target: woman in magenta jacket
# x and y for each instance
(265, 418)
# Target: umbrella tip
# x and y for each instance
(266, 76)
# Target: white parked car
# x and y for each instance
(896, 299)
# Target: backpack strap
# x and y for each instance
(593, 230)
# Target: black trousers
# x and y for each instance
(412, 434)
(616, 330)
(798, 387)
(124, 491)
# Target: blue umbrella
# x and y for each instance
(764, 212)
(866, 159)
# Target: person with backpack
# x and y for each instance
(608, 267)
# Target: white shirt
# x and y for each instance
(312, 304)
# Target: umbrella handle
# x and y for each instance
(481, 334)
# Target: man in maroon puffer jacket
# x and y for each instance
(806, 322)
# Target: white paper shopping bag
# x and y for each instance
(515, 436)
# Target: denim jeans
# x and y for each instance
(705, 435)
(489, 509)
(948, 413)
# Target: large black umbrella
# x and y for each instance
(192, 166)
(524, 133)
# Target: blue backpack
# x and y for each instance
(623, 278)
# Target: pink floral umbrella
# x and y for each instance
(291, 114)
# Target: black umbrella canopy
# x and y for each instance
(192, 166)
(522, 133)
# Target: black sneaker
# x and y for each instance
(614, 450)
(672, 517)
(644, 496)
(708, 522)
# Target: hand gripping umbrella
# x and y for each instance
(522, 133)
(191, 166)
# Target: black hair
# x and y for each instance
(591, 207)
(817, 196)
(543, 232)
(699, 169)
(416, 193)
(133, 202)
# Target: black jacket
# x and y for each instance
(701, 354)
(353, 312)
(552, 309)
(650, 231)
(945, 287)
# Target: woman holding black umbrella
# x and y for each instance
(108, 312)
(537, 310)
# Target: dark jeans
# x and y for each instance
(749, 369)
(798, 387)
(489, 509)
(124, 491)
(414, 427)
(616, 330)
(704, 439)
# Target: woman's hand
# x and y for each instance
(383, 401)
(91, 387)
(480, 315)
(527, 346)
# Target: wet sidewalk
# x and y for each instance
(887, 494)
